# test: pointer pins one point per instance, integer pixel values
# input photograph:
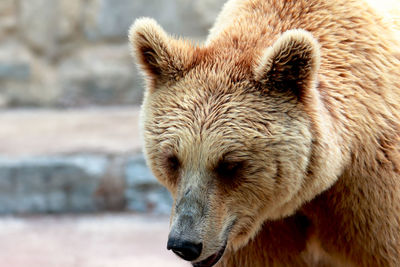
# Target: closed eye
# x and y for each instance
(173, 163)
(229, 169)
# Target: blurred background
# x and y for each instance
(74, 186)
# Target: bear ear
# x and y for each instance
(159, 56)
(291, 64)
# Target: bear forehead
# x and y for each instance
(222, 64)
(197, 118)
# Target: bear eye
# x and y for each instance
(228, 169)
(173, 163)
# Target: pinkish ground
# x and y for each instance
(101, 240)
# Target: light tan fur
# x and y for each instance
(281, 134)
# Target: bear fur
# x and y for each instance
(279, 137)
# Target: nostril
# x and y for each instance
(187, 250)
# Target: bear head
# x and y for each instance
(232, 134)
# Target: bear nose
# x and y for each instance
(187, 250)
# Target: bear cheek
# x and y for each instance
(248, 204)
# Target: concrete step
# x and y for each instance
(75, 161)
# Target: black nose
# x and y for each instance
(187, 250)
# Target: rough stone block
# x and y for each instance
(110, 19)
(57, 184)
(15, 70)
(103, 75)
(72, 184)
(7, 18)
(7, 7)
(38, 23)
(70, 19)
(46, 24)
(7, 183)
(15, 62)
(24, 80)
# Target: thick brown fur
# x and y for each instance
(281, 134)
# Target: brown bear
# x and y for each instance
(279, 137)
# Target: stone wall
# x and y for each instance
(66, 53)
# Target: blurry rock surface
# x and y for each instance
(79, 183)
(81, 160)
(76, 51)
